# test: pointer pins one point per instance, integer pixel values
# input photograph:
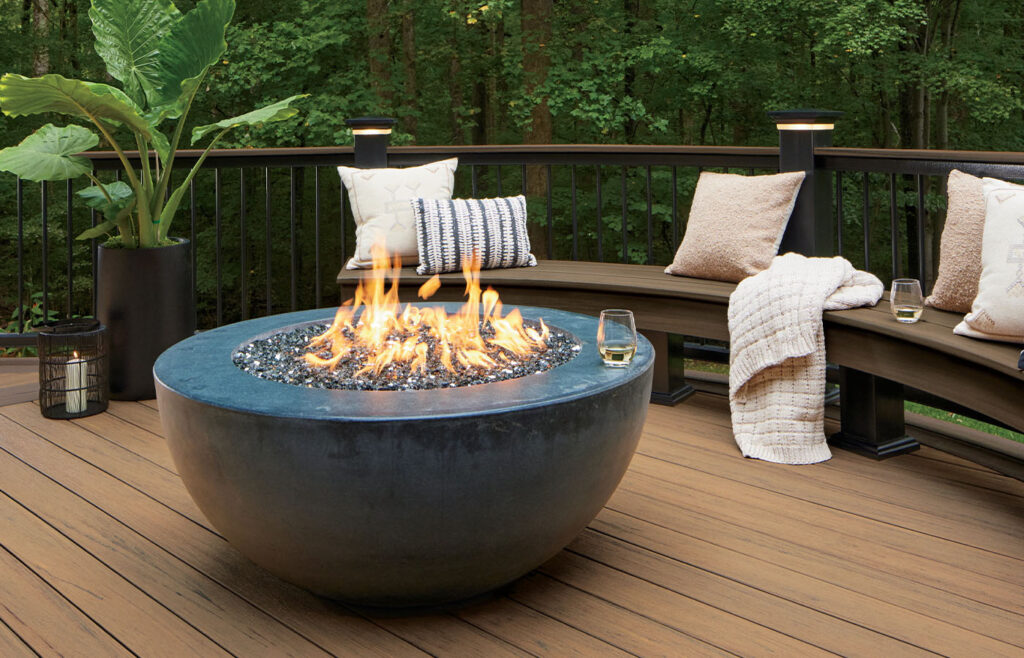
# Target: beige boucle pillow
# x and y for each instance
(381, 209)
(736, 224)
(998, 311)
(956, 285)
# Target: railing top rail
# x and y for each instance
(986, 157)
(491, 154)
(1006, 164)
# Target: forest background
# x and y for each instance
(907, 73)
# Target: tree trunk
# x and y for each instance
(409, 64)
(479, 133)
(536, 28)
(379, 52)
(41, 31)
(536, 34)
(71, 34)
(631, 9)
(455, 91)
(492, 118)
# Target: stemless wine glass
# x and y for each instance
(616, 337)
(906, 300)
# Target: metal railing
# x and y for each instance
(271, 227)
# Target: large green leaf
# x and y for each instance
(49, 153)
(100, 230)
(189, 49)
(278, 111)
(161, 145)
(121, 196)
(128, 33)
(55, 93)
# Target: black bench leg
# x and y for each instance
(872, 416)
(669, 385)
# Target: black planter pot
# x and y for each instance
(144, 296)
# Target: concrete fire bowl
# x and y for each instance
(400, 498)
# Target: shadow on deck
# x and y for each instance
(699, 552)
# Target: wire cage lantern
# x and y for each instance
(74, 377)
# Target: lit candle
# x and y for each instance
(74, 373)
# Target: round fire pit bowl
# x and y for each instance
(400, 498)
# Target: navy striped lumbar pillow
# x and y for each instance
(450, 231)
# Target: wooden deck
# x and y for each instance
(699, 552)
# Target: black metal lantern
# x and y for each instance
(73, 368)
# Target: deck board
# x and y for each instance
(699, 552)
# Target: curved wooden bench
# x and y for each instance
(877, 354)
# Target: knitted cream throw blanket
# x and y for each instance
(777, 362)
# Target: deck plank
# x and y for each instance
(123, 610)
(228, 619)
(441, 635)
(112, 459)
(11, 645)
(535, 632)
(137, 440)
(629, 630)
(33, 614)
(325, 623)
(699, 552)
(19, 380)
(706, 623)
(809, 590)
(697, 538)
(603, 544)
(871, 543)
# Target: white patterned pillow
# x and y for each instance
(998, 311)
(452, 231)
(380, 206)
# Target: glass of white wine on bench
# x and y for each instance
(906, 300)
(616, 337)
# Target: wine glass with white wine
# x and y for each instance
(906, 300)
(616, 337)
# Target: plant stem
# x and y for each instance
(172, 203)
(147, 232)
(165, 180)
(98, 184)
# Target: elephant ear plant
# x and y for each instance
(161, 57)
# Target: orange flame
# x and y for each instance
(386, 333)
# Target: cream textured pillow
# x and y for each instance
(960, 247)
(998, 311)
(381, 208)
(736, 224)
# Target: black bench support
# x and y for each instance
(872, 416)
(669, 385)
